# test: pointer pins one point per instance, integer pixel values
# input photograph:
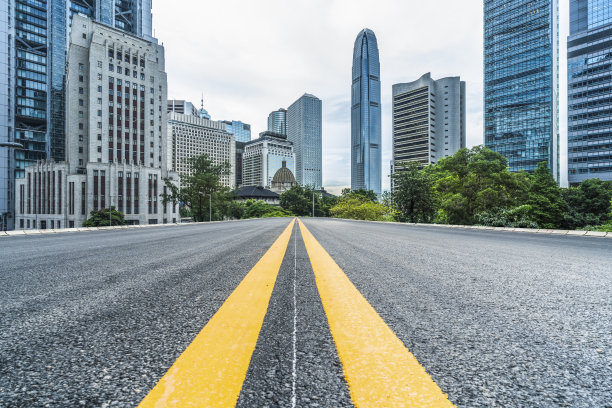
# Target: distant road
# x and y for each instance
(489, 318)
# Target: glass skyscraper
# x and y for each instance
(521, 82)
(365, 114)
(37, 72)
(589, 82)
(304, 129)
(277, 121)
(240, 130)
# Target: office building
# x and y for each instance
(116, 125)
(183, 107)
(304, 129)
(241, 131)
(190, 136)
(264, 156)
(521, 82)
(239, 153)
(7, 156)
(589, 82)
(277, 121)
(365, 114)
(428, 120)
(37, 48)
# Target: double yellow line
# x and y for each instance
(379, 369)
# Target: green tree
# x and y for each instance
(413, 195)
(475, 181)
(547, 206)
(360, 193)
(202, 188)
(260, 209)
(101, 218)
(516, 217)
(587, 203)
(298, 200)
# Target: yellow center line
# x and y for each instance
(210, 372)
(379, 369)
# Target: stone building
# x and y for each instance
(283, 180)
(116, 139)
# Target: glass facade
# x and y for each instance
(521, 86)
(241, 131)
(277, 122)
(366, 114)
(304, 130)
(589, 59)
(6, 120)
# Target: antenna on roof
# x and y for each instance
(202, 101)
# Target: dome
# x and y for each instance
(283, 175)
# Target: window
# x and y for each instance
(111, 67)
(81, 78)
(99, 112)
(80, 149)
(99, 136)
(80, 138)
(119, 70)
(84, 36)
(81, 102)
(99, 88)
(99, 77)
(99, 64)
(81, 66)
(81, 91)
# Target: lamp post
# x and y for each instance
(5, 216)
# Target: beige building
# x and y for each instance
(116, 138)
(191, 136)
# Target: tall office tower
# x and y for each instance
(7, 162)
(304, 118)
(190, 136)
(239, 153)
(116, 140)
(241, 131)
(589, 71)
(264, 156)
(38, 47)
(428, 120)
(277, 121)
(365, 114)
(521, 82)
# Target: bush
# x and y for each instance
(361, 209)
(517, 217)
(101, 218)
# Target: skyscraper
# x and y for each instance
(39, 43)
(521, 82)
(428, 120)
(240, 130)
(304, 129)
(277, 121)
(365, 114)
(589, 72)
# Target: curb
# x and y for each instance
(581, 233)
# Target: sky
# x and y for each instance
(248, 58)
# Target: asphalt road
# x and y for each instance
(498, 319)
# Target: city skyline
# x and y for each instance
(242, 81)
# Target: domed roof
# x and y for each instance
(283, 175)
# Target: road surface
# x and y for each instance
(483, 318)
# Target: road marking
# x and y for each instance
(379, 369)
(210, 372)
(294, 339)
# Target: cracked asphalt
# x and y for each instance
(498, 319)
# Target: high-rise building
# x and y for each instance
(239, 153)
(304, 129)
(277, 121)
(521, 82)
(428, 120)
(190, 136)
(183, 107)
(116, 124)
(589, 82)
(264, 156)
(241, 131)
(365, 114)
(38, 43)
(7, 161)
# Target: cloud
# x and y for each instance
(250, 58)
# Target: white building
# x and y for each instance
(428, 120)
(190, 136)
(263, 157)
(116, 139)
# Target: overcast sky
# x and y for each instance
(249, 58)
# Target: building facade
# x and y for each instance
(304, 130)
(38, 43)
(183, 107)
(366, 114)
(7, 156)
(239, 154)
(428, 120)
(241, 131)
(277, 121)
(521, 82)
(116, 125)
(189, 136)
(589, 82)
(263, 157)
